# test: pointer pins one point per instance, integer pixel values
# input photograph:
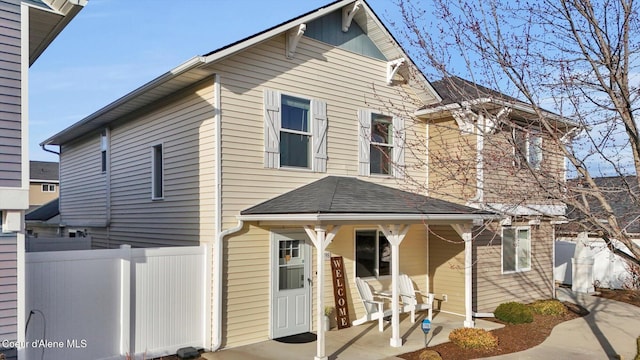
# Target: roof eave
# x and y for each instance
(79, 128)
(364, 218)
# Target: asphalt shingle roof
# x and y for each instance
(335, 195)
(44, 170)
(44, 212)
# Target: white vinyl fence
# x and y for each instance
(105, 304)
(594, 262)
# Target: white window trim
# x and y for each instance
(297, 132)
(518, 269)
(528, 138)
(153, 171)
(377, 266)
(397, 144)
(50, 188)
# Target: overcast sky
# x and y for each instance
(114, 46)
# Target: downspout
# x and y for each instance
(43, 146)
(219, 241)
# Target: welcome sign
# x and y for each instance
(340, 292)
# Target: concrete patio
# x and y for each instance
(357, 342)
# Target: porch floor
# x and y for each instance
(357, 342)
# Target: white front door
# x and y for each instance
(291, 279)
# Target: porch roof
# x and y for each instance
(336, 198)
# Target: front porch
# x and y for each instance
(357, 342)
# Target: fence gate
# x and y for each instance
(104, 304)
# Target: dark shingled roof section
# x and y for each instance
(335, 195)
(617, 194)
(44, 170)
(44, 212)
(455, 90)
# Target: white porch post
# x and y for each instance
(321, 240)
(395, 234)
(465, 233)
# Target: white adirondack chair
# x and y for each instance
(374, 309)
(409, 296)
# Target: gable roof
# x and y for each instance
(344, 198)
(458, 93)
(44, 170)
(198, 68)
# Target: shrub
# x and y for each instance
(473, 338)
(637, 349)
(514, 313)
(548, 307)
(429, 355)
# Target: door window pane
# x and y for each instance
(290, 265)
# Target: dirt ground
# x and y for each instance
(514, 338)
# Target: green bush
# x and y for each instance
(473, 338)
(548, 307)
(513, 313)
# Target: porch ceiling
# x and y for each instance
(338, 200)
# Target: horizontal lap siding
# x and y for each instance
(493, 288)
(82, 183)
(346, 82)
(446, 268)
(184, 125)
(343, 79)
(10, 95)
(452, 162)
(8, 288)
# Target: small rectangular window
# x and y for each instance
(527, 149)
(373, 254)
(381, 148)
(295, 132)
(48, 188)
(103, 150)
(157, 173)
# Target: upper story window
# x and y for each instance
(516, 249)
(295, 131)
(381, 144)
(104, 143)
(48, 187)
(528, 149)
(157, 172)
(373, 254)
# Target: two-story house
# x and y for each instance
(28, 27)
(43, 182)
(279, 151)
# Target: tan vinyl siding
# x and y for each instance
(184, 125)
(492, 287)
(82, 183)
(446, 268)
(452, 162)
(10, 95)
(343, 79)
(39, 197)
(247, 279)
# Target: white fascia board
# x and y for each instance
(529, 210)
(44, 181)
(450, 107)
(353, 218)
(221, 54)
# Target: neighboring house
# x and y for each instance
(483, 146)
(277, 151)
(43, 183)
(28, 27)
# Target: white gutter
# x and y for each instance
(339, 217)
